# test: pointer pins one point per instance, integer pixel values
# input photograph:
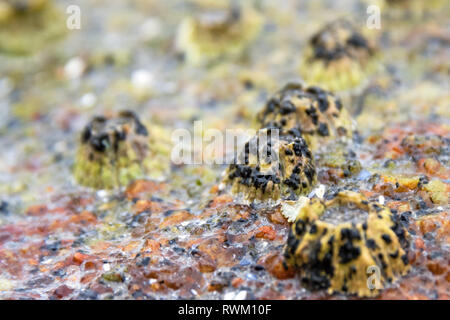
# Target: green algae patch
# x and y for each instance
(113, 276)
(438, 191)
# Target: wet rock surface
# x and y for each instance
(178, 235)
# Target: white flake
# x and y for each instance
(74, 68)
(142, 79)
(88, 100)
(291, 209)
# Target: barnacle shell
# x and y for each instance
(112, 152)
(338, 57)
(281, 168)
(28, 25)
(315, 114)
(341, 255)
(217, 33)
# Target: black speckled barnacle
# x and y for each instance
(338, 241)
(281, 168)
(315, 114)
(339, 57)
(112, 152)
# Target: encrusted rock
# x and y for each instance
(315, 114)
(112, 152)
(426, 145)
(347, 244)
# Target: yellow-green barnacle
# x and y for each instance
(338, 57)
(348, 245)
(9, 8)
(27, 25)
(217, 33)
(414, 9)
(279, 168)
(315, 114)
(407, 11)
(112, 152)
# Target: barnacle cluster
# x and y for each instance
(312, 112)
(112, 152)
(308, 117)
(217, 32)
(338, 57)
(339, 243)
(27, 25)
(271, 168)
(336, 242)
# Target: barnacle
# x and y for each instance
(272, 168)
(27, 25)
(314, 113)
(112, 152)
(9, 8)
(217, 33)
(338, 57)
(413, 8)
(337, 244)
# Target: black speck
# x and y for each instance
(323, 129)
(386, 238)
